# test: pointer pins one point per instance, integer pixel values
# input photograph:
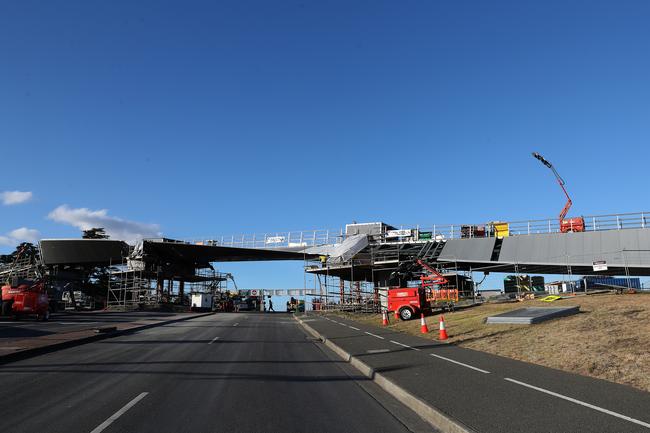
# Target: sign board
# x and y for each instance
(275, 240)
(600, 265)
(244, 292)
(255, 292)
(399, 233)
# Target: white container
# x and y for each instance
(201, 301)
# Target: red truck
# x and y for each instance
(26, 299)
(408, 302)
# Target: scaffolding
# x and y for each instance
(128, 289)
(361, 284)
(25, 267)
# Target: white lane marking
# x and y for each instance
(76, 323)
(460, 363)
(377, 350)
(342, 324)
(352, 327)
(404, 345)
(375, 335)
(213, 340)
(119, 413)
(236, 324)
(582, 403)
(335, 321)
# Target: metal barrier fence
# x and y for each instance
(305, 238)
(423, 233)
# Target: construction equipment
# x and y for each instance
(24, 292)
(406, 302)
(295, 306)
(576, 224)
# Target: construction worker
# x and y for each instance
(271, 305)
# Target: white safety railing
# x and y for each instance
(423, 233)
(292, 239)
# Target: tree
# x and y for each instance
(25, 249)
(95, 233)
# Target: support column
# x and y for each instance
(357, 289)
(181, 291)
(160, 286)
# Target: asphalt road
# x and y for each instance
(70, 321)
(489, 393)
(221, 373)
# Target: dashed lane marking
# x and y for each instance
(213, 340)
(404, 345)
(375, 335)
(460, 363)
(377, 350)
(119, 413)
(581, 403)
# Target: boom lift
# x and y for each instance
(24, 292)
(407, 302)
(576, 224)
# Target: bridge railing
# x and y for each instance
(422, 233)
(304, 238)
(529, 227)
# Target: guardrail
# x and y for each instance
(516, 228)
(423, 233)
(305, 238)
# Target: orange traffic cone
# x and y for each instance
(423, 325)
(443, 330)
(396, 315)
(384, 319)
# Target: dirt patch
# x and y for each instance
(609, 339)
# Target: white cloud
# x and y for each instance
(15, 197)
(116, 228)
(18, 236)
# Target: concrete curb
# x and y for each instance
(29, 353)
(430, 414)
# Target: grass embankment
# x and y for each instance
(609, 339)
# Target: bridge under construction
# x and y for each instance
(358, 261)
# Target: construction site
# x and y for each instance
(365, 287)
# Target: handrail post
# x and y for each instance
(642, 220)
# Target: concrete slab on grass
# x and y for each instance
(529, 316)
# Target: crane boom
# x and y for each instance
(568, 204)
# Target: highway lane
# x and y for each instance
(71, 321)
(227, 372)
(489, 393)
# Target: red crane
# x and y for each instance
(576, 224)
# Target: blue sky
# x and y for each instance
(199, 117)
